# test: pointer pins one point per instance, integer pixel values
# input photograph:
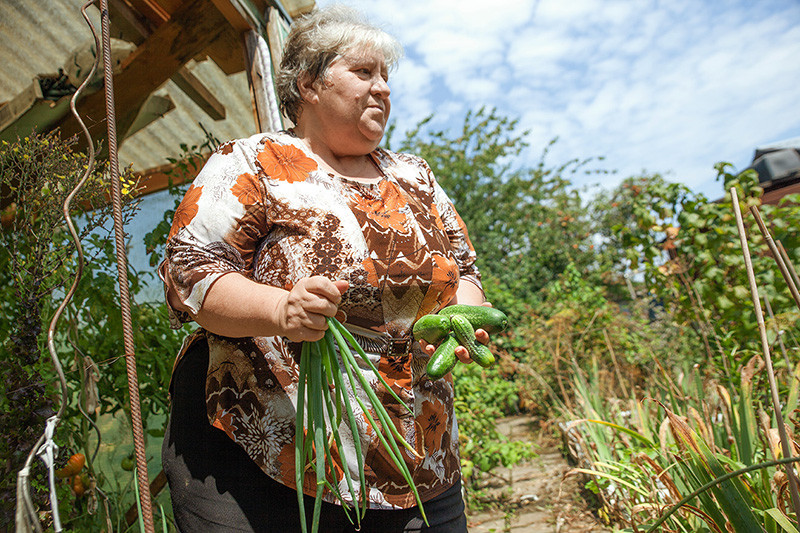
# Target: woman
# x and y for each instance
(280, 231)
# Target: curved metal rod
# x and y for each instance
(76, 239)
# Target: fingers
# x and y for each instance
(463, 355)
(325, 288)
(341, 285)
(308, 305)
(303, 334)
(429, 349)
(319, 295)
(461, 352)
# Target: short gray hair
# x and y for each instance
(317, 39)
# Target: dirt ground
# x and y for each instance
(534, 497)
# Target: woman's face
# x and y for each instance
(353, 99)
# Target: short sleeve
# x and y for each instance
(216, 228)
(457, 233)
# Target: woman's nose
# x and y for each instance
(381, 87)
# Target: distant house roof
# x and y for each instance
(777, 162)
(778, 167)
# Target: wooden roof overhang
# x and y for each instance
(167, 34)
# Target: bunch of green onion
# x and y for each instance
(321, 390)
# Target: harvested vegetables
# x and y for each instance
(453, 326)
(322, 403)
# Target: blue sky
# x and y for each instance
(661, 86)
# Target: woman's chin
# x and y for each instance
(373, 133)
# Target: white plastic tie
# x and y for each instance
(48, 452)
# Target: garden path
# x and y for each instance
(534, 496)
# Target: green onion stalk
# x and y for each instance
(322, 397)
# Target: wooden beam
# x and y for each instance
(152, 10)
(184, 79)
(20, 104)
(227, 51)
(295, 8)
(154, 108)
(159, 178)
(236, 17)
(242, 15)
(190, 29)
(194, 89)
(156, 485)
(30, 111)
(131, 25)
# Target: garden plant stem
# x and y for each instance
(776, 405)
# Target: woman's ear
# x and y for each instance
(308, 88)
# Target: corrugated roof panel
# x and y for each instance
(37, 37)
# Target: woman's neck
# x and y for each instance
(358, 167)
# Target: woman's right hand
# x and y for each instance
(303, 310)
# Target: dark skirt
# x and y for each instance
(216, 487)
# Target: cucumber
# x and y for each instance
(480, 317)
(465, 334)
(432, 328)
(443, 359)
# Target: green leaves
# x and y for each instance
(692, 261)
(526, 223)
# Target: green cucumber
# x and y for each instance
(443, 359)
(488, 319)
(465, 334)
(432, 328)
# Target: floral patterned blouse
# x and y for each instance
(263, 208)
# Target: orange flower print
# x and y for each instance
(285, 162)
(437, 219)
(444, 273)
(247, 189)
(187, 210)
(224, 420)
(444, 282)
(385, 210)
(369, 267)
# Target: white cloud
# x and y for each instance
(671, 87)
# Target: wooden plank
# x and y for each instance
(227, 51)
(194, 89)
(156, 486)
(42, 116)
(184, 79)
(131, 25)
(190, 29)
(154, 108)
(20, 104)
(295, 8)
(238, 16)
(277, 31)
(158, 178)
(152, 10)
(256, 81)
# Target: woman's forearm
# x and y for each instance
(236, 306)
(468, 293)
